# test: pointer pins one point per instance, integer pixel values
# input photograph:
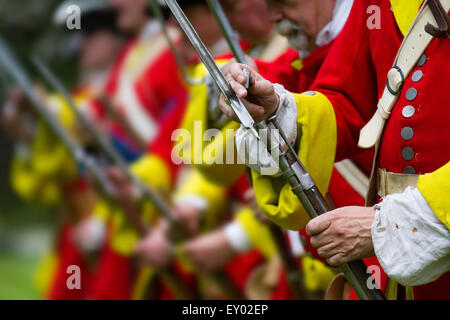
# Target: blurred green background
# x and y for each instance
(26, 231)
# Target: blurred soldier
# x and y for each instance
(202, 200)
(297, 74)
(150, 248)
(43, 171)
(143, 102)
(408, 230)
(154, 249)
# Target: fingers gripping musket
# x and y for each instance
(293, 170)
(206, 57)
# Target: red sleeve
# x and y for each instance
(170, 120)
(281, 70)
(239, 188)
(160, 84)
(347, 79)
(113, 77)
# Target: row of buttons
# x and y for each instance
(407, 133)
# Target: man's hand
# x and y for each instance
(209, 252)
(155, 248)
(343, 235)
(260, 98)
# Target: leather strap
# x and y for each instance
(354, 176)
(413, 46)
(391, 183)
(372, 193)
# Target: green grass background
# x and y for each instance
(27, 26)
(16, 278)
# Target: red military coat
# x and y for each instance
(155, 87)
(297, 76)
(416, 138)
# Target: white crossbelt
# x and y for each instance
(413, 46)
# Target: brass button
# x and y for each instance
(408, 153)
(411, 94)
(409, 170)
(407, 133)
(417, 76)
(422, 60)
(408, 111)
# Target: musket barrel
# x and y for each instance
(315, 205)
(299, 181)
(178, 59)
(227, 30)
(207, 59)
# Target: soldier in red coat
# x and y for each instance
(345, 97)
(142, 103)
(296, 74)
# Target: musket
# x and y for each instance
(157, 11)
(78, 153)
(293, 272)
(86, 161)
(301, 182)
(144, 191)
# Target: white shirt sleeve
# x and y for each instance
(253, 152)
(96, 230)
(237, 238)
(410, 242)
(295, 241)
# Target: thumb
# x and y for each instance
(318, 225)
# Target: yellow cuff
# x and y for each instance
(153, 171)
(210, 157)
(219, 161)
(257, 232)
(435, 187)
(196, 185)
(317, 276)
(123, 236)
(318, 138)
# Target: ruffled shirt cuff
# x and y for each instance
(254, 152)
(410, 242)
(194, 200)
(237, 238)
